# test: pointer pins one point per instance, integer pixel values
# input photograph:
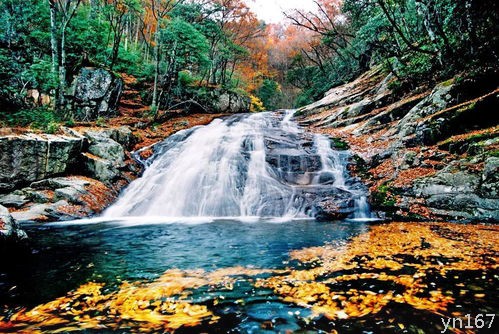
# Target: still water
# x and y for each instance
(63, 257)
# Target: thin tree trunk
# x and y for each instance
(62, 72)
(400, 32)
(53, 37)
(156, 73)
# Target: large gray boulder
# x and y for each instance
(106, 153)
(28, 158)
(95, 93)
(9, 230)
(462, 194)
(231, 103)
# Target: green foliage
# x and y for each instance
(101, 121)
(339, 144)
(419, 41)
(304, 98)
(269, 93)
(383, 198)
(38, 118)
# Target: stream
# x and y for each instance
(246, 225)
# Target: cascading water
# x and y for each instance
(258, 165)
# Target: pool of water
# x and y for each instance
(62, 257)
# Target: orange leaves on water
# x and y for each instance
(384, 257)
(162, 305)
(390, 264)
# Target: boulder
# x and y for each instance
(28, 158)
(333, 209)
(229, 102)
(106, 153)
(439, 99)
(95, 93)
(13, 200)
(9, 230)
(490, 179)
(454, 193)
(100, 169)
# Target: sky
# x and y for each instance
(271, 10)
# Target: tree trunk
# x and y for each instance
(53, 38)
(156, 73)
(61, 101)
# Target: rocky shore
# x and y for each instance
(80, 170)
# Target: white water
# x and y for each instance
(246, 166)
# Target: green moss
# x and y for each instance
(101, 121)
(383, 198)
(447, 83)
(493, 153)
(468, 107)
(339, 144)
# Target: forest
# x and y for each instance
(181, 50)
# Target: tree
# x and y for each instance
(119, 14)
(185, 48)
(61, 14)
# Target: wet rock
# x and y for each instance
(95, 93)
(333, 209)
(13, 200)
(9, 229)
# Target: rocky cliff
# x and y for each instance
(430, 153)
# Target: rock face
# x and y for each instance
(462, 194)
(429, 154)
(218, 101)
(29, 158)
(95, 93)
(32, 163)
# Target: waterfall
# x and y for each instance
(257, 165)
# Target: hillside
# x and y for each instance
(430, 154)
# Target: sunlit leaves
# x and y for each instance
(392, 264)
